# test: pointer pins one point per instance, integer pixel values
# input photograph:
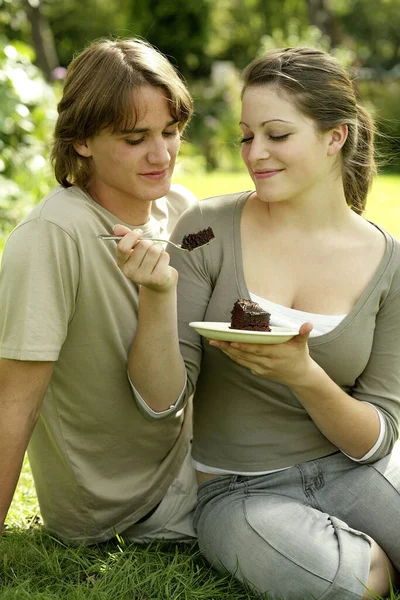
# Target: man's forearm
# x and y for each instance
(23, 385)
(14, 435)
(156, 367)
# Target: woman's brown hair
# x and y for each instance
(323, 91)
(98, 94)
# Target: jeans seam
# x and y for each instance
(280, 551)
(317, 483)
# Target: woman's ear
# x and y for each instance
(82, 148)
(338, 137)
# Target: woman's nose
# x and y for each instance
(258, 150)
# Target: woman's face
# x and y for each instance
(285, 155)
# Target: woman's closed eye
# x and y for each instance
(279, 138)
(275, 138)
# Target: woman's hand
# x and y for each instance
(285, 363)
(144, 262)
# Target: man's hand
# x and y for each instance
(144, 262)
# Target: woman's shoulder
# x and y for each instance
(391, 266)
(393, 242)
(224, 202)
(216, 212)
(217, 207)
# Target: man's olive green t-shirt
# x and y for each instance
(98, 464)
(243, 422)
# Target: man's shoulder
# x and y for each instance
(67, 210)
(59, 205)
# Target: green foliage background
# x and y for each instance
(210, 42)
(27, 114)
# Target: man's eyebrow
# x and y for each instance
(269, 121)
(131, 130)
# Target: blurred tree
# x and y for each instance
(374, 28)
(321, 15)
(240, 25)
(13, 20)
(179, 28)
(42, 37)
(75, 23)
(195, 32)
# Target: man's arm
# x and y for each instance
(23, 385)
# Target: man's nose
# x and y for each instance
(159, 152)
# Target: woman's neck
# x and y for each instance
(325, 209)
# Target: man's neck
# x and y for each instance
(131, 213)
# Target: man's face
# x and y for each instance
(134, 167)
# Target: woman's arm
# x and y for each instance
(351, 425)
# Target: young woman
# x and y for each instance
(294, 443)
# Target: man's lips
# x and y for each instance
(266, 173)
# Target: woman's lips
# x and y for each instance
(155, 175)
(266, 174)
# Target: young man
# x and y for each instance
(68, 314)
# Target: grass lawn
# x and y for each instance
(35, 566)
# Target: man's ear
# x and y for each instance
(82, 148)
(338, 137)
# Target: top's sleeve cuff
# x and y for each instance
(145, 408)
(378, 442)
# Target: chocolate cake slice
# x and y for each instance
(195, 240)
(249, 315)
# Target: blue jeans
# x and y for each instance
(302, 533)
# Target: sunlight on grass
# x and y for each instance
(36, 566)
(24, 507)
(383, 205)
